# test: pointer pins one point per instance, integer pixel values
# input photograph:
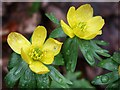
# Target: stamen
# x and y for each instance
(35, 53)
(82, 26)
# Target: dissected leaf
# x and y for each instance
(116, 57)
(82, 84)
(28, 79)
(70, 53)
(106, 78)
(58, 60)
(73, 75)
(14, 60)
(53, 18)
(57, 33)
(15, 73)
(91, 50)
(77, 82)
(114, 86)
(59, 78)
(42, 81)
(55, 85)
(101, 42)
(108, 64)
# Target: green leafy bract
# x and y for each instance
(111, 79)
(108, 64)
(91, 50)
(15, 73)
(57, 33)
(20, 72)
(77, 82)
(27, 80)
(70, 53)
(53, 18)
(106, 78)
(58, 60)
(58, 78)
(42, 81)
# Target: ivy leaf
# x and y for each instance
(116, 57)
(15, 73)
(91, 50)
(70, 53)
(58, 60)
(53, 18)
(59, 78)
(27, 80)
(14, 60)
(106, 78)
(57, 33)
(42, 81)
(108, 64)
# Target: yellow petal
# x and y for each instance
(17, 41)
(38, 67)
(52, 45)
(47, 57)
(84, 13)
(67, 30)
(25, 56)
(95, 24)
(79, 33)
(92, 35)
(71, 17)
(119, 70)
(39, 36)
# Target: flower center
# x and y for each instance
(35, 53)
(82, 26)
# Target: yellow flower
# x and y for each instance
(82, 23)
(119, 69)
(37, 53)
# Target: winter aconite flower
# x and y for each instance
(119, 70)
(82, 23)
(37, 53)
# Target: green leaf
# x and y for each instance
(82, 84)
(73, 75)
(53, 18)
(91, 50)
(113, 86)
(34, 8)
(54, 84)
(42, 81)
(28, 79)
(70, 53)
(101, 42)
(99, 50)
(106, 78)
(59, 78)
(57, 33)
(116, 57)
(58, 60)
(15, 73)
(77, 82)
(14, 60)
(108, 64)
